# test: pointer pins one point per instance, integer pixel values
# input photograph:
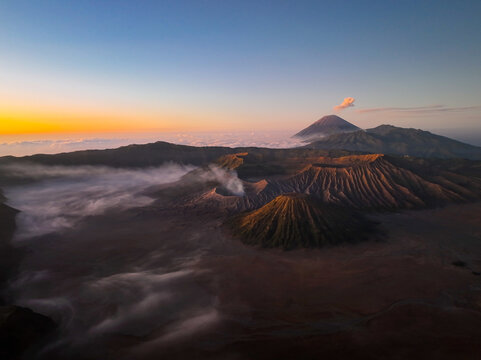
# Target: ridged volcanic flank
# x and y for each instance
(298, 220)
(388, 139)
(327, 125)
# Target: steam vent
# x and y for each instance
(297, 220)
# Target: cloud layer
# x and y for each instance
(271, 139)
(418, 110)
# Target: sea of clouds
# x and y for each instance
(275, 139)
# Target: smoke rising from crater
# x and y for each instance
(228, 179)
(347, 102)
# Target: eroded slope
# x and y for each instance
(298, 220)
(370, 181)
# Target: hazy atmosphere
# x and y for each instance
(240, 180)
(116, 69)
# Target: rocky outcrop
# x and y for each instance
(20, 329)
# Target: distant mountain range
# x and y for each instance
(152, 154)
(325, 126)
(330, 133)
(388, 139)
(333, 132)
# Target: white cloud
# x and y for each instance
(272, 139)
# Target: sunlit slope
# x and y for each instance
(298, 220)
(371, 181)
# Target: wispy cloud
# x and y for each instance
(347, 102)
(431, 109)
(142, 293)
(63, 196)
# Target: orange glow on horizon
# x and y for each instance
(21, 124)
(43, 121)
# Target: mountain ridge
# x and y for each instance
(369, 182)
(392, 140)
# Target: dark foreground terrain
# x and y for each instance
(162, 284)
(142, 264)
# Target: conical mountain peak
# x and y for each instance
(299, 220)
(325, 126)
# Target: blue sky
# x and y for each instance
(243, 64)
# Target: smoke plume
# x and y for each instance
(347, 102)
(228, 179)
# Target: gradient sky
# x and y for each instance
(140, 66)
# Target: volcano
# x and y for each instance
(297, 220)
(325, 126)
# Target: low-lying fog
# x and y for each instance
(62, 196)
(99, 263)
